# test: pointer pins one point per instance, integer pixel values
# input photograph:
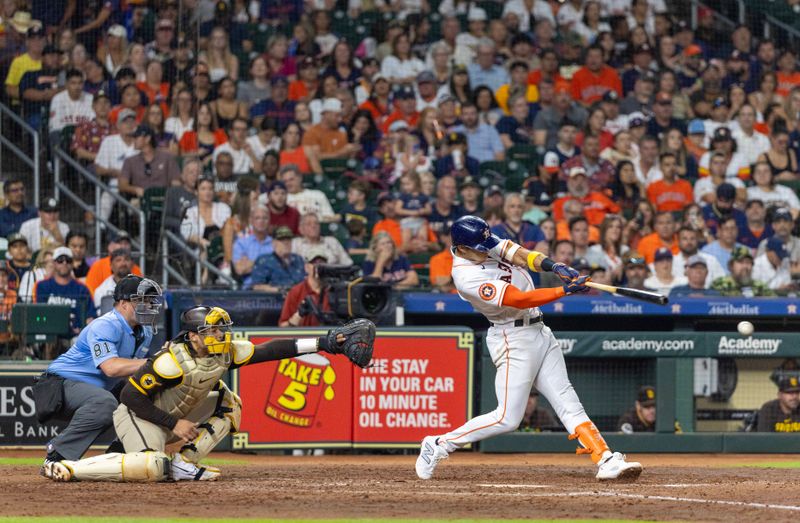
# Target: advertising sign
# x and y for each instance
(421, 383)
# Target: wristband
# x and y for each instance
(532, 258)
(508, 254)
(548, 264)
(307, 345)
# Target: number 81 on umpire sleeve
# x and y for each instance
(98, 350)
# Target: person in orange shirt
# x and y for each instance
(593, 80)
(405, 103)
(548, 69)
(573, 208)
(304, 88)
(101, 269)
(669, 193)
(326, 140)
(388, 224)
(595, 204)
(441, 264)
(788, 77)
(664, 236)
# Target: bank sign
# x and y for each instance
(18, 425)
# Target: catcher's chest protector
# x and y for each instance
(200, 376)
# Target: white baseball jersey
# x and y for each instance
(484, 285)
(525, 356)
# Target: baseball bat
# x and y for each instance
(650, 297)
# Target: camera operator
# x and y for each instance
(296, 311)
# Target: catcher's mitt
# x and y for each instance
(359, 339)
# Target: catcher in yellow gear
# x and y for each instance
(178, 396)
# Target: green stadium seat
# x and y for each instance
(494, 10)
(337, 166)
(153, 201)
(793, 185)
(524, 154)
(516, 174)
(358, 259)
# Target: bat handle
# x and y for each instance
(601, 287)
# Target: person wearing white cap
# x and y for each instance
(63, 289)
(113, 51)
(467, 43)
(525, 9)
(326, 139)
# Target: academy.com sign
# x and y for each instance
(748, 346)
(648, 345)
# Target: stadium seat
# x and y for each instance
(793, 185)
(335, 167)
(525, 154)
(153, 202)
(516, 174)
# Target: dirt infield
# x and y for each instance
(468, 485)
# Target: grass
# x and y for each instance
(38, 461)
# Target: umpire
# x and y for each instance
(80, 385)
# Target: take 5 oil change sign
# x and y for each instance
(420, 383)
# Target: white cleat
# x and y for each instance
(614, 467)
(187, 471)
(430, 454)
(55, 470)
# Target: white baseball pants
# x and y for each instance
(524, 356)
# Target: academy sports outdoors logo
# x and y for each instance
(297, 387)
(487, 291)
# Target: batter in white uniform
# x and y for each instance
(492, 275)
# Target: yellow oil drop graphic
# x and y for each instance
(328, 376)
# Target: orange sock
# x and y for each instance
(591, 440)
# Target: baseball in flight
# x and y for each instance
(745, 328)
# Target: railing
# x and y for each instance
(170, 238)
(34, 162)
(771, 23)
(717, 15)
(60, 156)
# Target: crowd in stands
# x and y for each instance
(612, 135)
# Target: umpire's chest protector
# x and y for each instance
(200, 376)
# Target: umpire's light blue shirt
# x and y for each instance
(109, 336)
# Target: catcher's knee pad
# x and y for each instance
(212, 431)
(230, 407)
(148, 466)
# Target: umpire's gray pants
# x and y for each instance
(91, 409)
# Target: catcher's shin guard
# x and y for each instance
(591, 441)
(149, 466)
(225, 420)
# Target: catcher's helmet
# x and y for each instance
(201, 319)
(473, 232)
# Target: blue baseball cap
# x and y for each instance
(778, 246)
(696, 126)
(276, 185)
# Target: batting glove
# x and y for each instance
(565, 272)
(577, 285)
